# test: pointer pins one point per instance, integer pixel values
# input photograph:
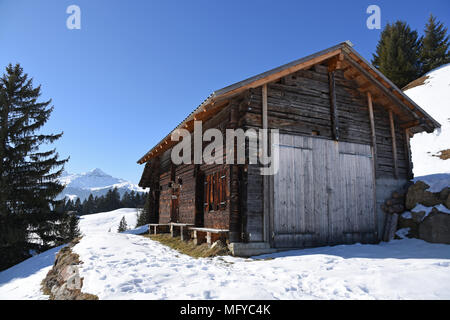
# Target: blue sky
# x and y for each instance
(137, 68)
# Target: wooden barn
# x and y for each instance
(343, 149)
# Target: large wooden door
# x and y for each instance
(323, 193)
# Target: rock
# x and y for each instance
(418, 216)
(435, 228)
(417, 193)
(68, 272)
(405, 223)
(444, 194)
(63, 281)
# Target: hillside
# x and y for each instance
(431, 152)
(94, 182)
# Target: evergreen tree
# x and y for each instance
(78, 206)
(397, 54)
(144, 213)
(435, 48)
(133, 199)
(122, 225)
(73, 227)
(28, 175)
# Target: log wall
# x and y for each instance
(299, 104)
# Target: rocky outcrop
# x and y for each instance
(436, 227)
(428, 217)
(63, 281)
(418, 194)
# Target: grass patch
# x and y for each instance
(188, 247)
(418, 82)
(444, 154)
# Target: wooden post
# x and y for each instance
(265, 177)
(372, 127)
(408, 154)
(394, 143)
(235, 221)
(333, 106)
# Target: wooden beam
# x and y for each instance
(335, 63)
(372, 129)
(408, 154)
(275, 76)
(409, 124)
(333, 106)
(266, 195)
(380, 86)
(264, 107)
(235, 226)
(394, 143)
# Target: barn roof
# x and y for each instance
(420, 120)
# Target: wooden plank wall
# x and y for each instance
(185, 172)
(299, 104)
(187, 198)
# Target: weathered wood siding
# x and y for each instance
(299, 105)
(191, 209)
(185, 172)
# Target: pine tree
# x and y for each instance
(397, 54)
(78, 206)
(73, 227)
(122, 225)
(144, 213)
(28, 175)
(435, 48)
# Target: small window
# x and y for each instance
(180, 181)
(215, 193)
(315, 133)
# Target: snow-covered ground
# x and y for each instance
(128, 266)
(434, 97)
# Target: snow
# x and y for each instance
(407, 215)
(129, 266)
(421, 208)
(402, 233)
(107, 221)
(427, 210)
(123, 266)
(437, 182)
(23, 281)
(434, 97)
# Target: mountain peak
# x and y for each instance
(97, 172)
(95, 182)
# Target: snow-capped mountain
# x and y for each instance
(96, 182)
(431, 152)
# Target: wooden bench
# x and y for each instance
(210, 235)
(156, 228)
(180, 229)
